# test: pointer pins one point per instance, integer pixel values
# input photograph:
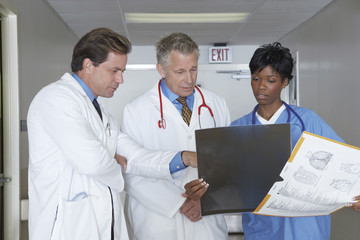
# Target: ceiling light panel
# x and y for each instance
(185, 17)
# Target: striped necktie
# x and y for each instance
(185, 111)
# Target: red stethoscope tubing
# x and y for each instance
(162, 121)
(203, 104)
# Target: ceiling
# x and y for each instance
(269, 20)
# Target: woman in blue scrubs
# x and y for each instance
(271, 70)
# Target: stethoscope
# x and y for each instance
(162, 121)
(288, 109)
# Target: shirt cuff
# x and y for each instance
(176, 163)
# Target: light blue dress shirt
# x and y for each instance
(176, 163)
(84, 86)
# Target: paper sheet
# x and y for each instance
(320, 177)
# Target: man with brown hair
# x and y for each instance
(74, 173)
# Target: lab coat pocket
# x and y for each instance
(75, 220)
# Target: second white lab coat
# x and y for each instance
(153, 203)
(72, 151)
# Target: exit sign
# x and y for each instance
(220, 55)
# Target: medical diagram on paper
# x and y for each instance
(320, 177)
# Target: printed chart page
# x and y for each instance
(320, 177)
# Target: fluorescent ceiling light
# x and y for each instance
(185, 17)
(140, 66)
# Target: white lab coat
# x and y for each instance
(153, 203)
(69, 145)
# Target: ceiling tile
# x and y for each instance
(269, 20)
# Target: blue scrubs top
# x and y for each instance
(258, 227)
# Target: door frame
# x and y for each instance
(11, 121)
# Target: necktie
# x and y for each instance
(97, 107)
(185, 111)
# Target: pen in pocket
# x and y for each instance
(108, 128)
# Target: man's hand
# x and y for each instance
(122, 161)
(191, 210)
(195, 189)
(189, 159)
(356, 205)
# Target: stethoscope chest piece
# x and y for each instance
(162, 123)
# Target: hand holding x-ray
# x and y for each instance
(195, 189)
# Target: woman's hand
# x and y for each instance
(195, 189)
(355, 205)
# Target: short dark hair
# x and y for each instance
(179, 42)
(96, 46)
(274, 55)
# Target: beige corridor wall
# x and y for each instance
(329, 50)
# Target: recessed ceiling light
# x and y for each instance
(185, 17)
(140, 66)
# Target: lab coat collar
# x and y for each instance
(68, 79)
(86, 88)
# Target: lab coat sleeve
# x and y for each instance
(153, 192)
(157, 195)
(62, 113)
(144, 162)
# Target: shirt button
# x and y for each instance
(177, 167)
(189, 137)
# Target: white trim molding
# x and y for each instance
(11, 123)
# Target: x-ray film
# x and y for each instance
(240, 163)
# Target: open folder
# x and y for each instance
(320, 177)
(240, 163)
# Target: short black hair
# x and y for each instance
(274, 55)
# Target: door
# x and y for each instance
(1, 149)
(9, 126)
(2, 178)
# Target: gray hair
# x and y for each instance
(179, 42)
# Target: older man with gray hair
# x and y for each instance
(165, 118)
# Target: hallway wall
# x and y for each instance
(45, 46)
(329, 50)
(328, 45)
